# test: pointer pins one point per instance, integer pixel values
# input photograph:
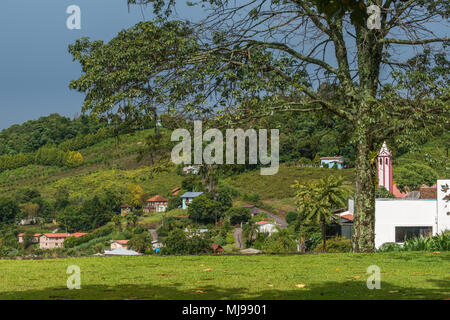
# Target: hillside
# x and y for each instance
(106, 164)
(434, 153)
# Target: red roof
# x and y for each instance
(331, 157)
(157, 198)
(64, 235)
(397, 193)
(347, 216)
(261, 222)
(35, 235)
(217, 247)
(176, 189)
(122, 241)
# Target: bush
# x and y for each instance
(291, 217)
(336, 245)
(439, 242)
(390, 247)
(312, 241)
(230, 238)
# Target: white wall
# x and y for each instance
(391, 213)
(443, 190)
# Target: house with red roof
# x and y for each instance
(156, 204)
(56, 240)
(125, 209)
(116, 244)
(267, 227)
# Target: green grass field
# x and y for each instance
(405, 275)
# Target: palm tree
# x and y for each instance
(318, 199)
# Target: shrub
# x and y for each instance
(390, 247)
(230, 238)
(439, 242)
(337, 245)
(291, 217)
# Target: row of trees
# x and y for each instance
(48, 156)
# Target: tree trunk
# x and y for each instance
(302, 244)
(363, 239)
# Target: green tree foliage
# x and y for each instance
(9, 209)
(316, 201)
(50, 130)
(238, 215)
(414, 175)
(92, 214)
(178, 243)
(280, 242)
(291, 217)
(205, 210)
(141, 242)
(174, 202)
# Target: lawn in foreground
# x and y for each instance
(404, 275)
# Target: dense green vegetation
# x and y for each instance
(50, 130)
(404, 275)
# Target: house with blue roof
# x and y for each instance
(329, 162)
(188, 197)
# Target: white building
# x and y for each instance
(397, 219)
(267, 227)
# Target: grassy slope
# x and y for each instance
(278, 186)
(409, 275)
(107, 164)
(432, 153)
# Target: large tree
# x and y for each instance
(249, 59)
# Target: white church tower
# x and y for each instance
(385, 168)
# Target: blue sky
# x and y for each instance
(35, 67)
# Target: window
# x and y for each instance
(386, 160)
(406, 233)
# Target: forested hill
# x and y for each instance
(50, 130)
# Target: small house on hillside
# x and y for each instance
(56, 240)
(115, 244)
(330, 162)
(267, 227)
(125, 209)
(156, 204)
(188, 197)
